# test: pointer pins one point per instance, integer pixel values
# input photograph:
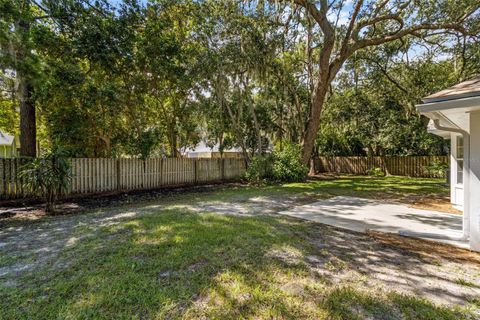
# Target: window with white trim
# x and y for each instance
(459, 156)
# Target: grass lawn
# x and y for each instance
(225, 254)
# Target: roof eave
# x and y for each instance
(469, 102)
(451, 97)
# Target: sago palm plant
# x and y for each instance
(47, 177)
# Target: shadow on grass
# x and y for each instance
(348, 303)
(181, 265)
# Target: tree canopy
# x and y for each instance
(151, 78)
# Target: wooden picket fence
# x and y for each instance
(412, 166)
(102, 175)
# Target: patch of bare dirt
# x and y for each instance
(435, 203)
(323, 176)
(384, 262)
(34, 209)
(427, 248)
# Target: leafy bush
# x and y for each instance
(437, 168)
(47, 177)
(280, 166)
(260, 169)
(376, 172)
(287, 165)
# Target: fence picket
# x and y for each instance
(413, 166)
(96, 175)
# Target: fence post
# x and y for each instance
(117, 164)
(223, 169)
(144, 173)
(5, 191)
(18, 179)
(195, 170)
(162, 172)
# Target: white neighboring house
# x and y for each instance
(8, 146)
(201, 150)
(455, 115)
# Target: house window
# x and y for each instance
(459, 160)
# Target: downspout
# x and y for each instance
(466, 171)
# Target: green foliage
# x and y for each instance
(47, 177)
(376, 116)
(437, 168)
(287, 165)
(280, 166)
(260, 169)
(8, 115)
(376, 172)
(142, 78)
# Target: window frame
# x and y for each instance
(459, 157)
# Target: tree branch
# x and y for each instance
(319, 15)
(351, 26)
(408, 31)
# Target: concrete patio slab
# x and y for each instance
(359, 214)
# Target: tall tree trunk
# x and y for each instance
(28, 129)
(173, 142)
(313, 122)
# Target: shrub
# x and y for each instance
(376, 172)
(287, 165)
(47, 177)
(260, 169)
(437, 168)
(280, 166)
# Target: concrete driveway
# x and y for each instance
(359, 214)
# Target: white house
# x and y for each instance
(8, 146)
(202, 150)
(455, 115)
